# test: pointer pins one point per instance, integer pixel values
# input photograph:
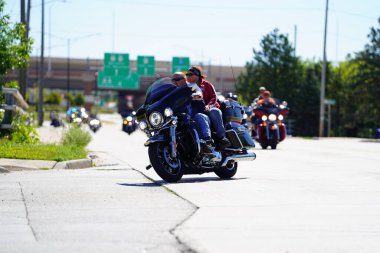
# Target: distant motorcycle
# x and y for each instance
(94, 124)
(129, 123)
(270, 129)
(77, 115)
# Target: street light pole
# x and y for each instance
(68, 73)
(41, 72)
(323, 80)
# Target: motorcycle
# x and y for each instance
(77, 115)
(270, 129)
(129, 123)
(94, 124)
(174, 146)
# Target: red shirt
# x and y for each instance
(209, 94)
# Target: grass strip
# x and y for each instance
(39, 151)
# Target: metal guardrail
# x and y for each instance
(14, 102)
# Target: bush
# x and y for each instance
(23, 131)
(76, 136)
(79, 100)
(54, 98)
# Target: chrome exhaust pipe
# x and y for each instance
(249, 156)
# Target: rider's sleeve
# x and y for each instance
(209, 89)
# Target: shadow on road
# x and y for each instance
(192, 180)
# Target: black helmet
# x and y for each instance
(232, 96)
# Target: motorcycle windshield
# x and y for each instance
(159, 89)
(269, 109)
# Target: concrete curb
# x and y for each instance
(74, 164)
(9, 165)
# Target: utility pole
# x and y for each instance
(41, 73)
(68, 73)
(22, 72)
(295, 40)
(323, 79)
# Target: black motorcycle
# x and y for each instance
(174, 146)
(129, 123)
(94, 124)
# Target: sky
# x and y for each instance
(208, 31)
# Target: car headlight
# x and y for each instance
(155, 119)
(142, 125)
(245, 116)
(272, 117)
(129, 118)
(168, 112)
(264, 118)
(280, 117)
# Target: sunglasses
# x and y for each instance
(177, 79)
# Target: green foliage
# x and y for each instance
(40, 151)
(76, 136)
(11, 84)
(54, 98)
(79, 100)
(13, 53)
(23, 131)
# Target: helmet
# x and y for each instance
(232, 96)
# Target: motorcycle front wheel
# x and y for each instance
(168, 168)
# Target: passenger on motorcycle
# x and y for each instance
(194, 75)
(201, 121)
(266, 100)
(262, 89)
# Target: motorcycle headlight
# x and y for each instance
(272, 117)
(168, 112)
(264, 118)
(245, 116)
(129, 118)
(142, 125)
(72, 115)
(85, 115)
(94, 122)
(78, 120)
(155, 119)
(280, 117)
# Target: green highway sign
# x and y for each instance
(146, 66)
(116, 60)
(119, 71)
(180, 64)
(130, 82)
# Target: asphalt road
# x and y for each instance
(306, 196)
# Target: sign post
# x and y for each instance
(329, 103)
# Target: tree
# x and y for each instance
(13, 53)
(367, 85)
(275, 67)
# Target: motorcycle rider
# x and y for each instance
(262, 89)
(266, 100)
(201, 121)
(194, 75)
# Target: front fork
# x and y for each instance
(268, 129)
(173, 142)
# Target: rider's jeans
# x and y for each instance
(202, 125)
(215, 115)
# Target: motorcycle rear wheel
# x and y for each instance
(225, 172)
(170, 170)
